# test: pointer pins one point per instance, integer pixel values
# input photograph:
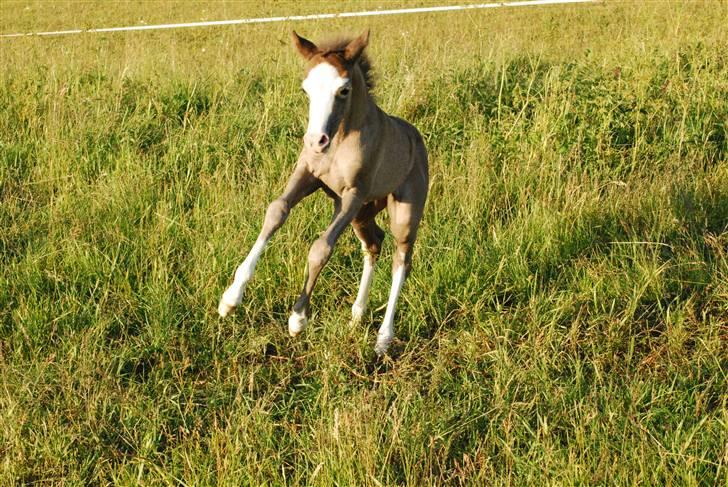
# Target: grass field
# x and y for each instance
(566, 321)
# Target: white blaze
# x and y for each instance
(321, 84)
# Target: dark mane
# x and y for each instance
(337, 46)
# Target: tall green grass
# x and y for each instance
(566, 320)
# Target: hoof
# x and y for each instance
(357, 315)
(224, 308)
(296, 323)
(382, 345)
(229, 300)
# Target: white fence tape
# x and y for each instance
(290, 18)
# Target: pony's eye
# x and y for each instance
(344, 92)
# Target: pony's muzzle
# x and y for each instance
(317, 142)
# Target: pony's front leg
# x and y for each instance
(300, 184)
(319, 255)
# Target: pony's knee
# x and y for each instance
(319, 254)
(276, 214)
(371, 238)
(373, 248)
(403, 233)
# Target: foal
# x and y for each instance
(365, 160)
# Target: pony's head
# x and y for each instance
(333, 73)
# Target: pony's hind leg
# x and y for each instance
(405, 215)
(371, 237)
(301, 184)
(400, 268)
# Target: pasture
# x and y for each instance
(566, 319)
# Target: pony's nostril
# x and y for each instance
(317, 142)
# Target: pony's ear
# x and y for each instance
(354, 49)
(304, 46)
